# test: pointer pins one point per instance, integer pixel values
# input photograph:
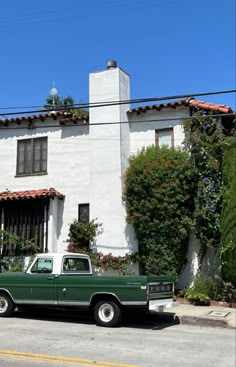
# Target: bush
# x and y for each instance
(82, 238)
(212, 286)
(197, 298)
(14, 245)
(83, 235)
(158, 195)
(103, 263)
(12, 264)
(16, 265)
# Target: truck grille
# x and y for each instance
(160, 288)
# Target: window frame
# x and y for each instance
(37, 262)
(170, 129)
(32, 161)
(70, 271)
(80, 206)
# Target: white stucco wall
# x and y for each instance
(68, 173)
(143, 126)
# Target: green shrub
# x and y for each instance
(83, 235)
(158, 194)
(16, 265)
(196, 297)
(212, 286)
(14, 245)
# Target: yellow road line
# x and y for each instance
(57, 359)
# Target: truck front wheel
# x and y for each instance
(107, 313)
(6, 306)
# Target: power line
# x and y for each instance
(79, 106)
(81, 124)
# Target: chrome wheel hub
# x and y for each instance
(3, 304)
(106, 312)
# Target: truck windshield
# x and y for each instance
(42, 265)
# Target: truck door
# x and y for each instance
(40, 283)
(73, 283)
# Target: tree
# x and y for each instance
(67, 103)
(158, 195)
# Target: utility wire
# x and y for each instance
(82, 124)
(113, 103)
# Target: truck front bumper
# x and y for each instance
(161, 304)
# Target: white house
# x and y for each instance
(56, 167)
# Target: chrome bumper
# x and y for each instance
(161, 304)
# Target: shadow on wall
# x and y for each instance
(190, 270)
(26, 133)
(139, 126)
(209, 266)
(130, 238)
(60, 217)
(74, 130)
(211, 263)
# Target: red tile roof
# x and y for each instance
(69, 117)
(44, 116)
(188, 102)
(30, 194)
(209, 106)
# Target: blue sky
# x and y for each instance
(168, 47)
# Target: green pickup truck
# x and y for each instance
(67, 280)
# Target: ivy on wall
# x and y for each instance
(227, 249)
(205, 139)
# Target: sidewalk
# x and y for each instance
(200, 315)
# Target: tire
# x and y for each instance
(6, 306)
(107, 313)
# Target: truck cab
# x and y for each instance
(61, 263)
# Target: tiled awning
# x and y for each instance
(30, 194)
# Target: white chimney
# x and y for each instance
(110, 85)
(109, 151)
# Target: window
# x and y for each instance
(165, 137)
(84, 213)
(31, 156)
(73, 264)
(42, 265)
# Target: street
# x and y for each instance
(51, 338)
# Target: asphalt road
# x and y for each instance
(47, 339)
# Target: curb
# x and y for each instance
(183, 301)
(203, 321)
(193, 320)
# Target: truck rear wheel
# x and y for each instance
(6, 306)
(107, 313)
